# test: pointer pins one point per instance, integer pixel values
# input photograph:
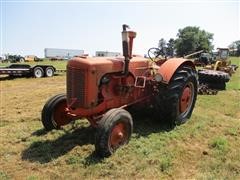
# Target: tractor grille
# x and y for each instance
(75, 87)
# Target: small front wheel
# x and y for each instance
(53, 113)
(114, 130)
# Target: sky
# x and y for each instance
(27, 27)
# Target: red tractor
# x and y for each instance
(101, 89)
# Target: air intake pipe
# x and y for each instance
(127, 44)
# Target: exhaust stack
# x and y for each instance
(127, 44)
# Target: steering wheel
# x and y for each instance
(154, 53)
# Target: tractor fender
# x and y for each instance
(168, 68)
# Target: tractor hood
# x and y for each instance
(102, 65)
(99, 64)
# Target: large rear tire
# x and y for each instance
(175, 102)
(212, 76)
(213, 79)
(53, 113)
(114, 130)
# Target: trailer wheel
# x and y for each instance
(21, 60)
(38, 72)
(114, 130)
(175, 102)
(53, 112)
(49, 72)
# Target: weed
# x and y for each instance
(165, 163)
(219, 143)
(74, 160)
(4, 176)
(32, 178)
(234, 131)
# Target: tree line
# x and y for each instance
(191, 39)
(235, 48)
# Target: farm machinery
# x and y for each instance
(216, 73)
(217, 61)
(14, 59)
(222, 62)
(209, 81)
(216, 70)
(25, 70)
(102, 89)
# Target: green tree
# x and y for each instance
(170, 47)
(235, 48)
(162, 45)
(191, 39)
(166, 48)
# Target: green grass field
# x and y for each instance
(206, 147)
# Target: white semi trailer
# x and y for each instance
(62, 53)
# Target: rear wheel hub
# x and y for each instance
(186, 98)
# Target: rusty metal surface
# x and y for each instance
(169, 67)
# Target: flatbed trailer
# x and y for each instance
(25, 70)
